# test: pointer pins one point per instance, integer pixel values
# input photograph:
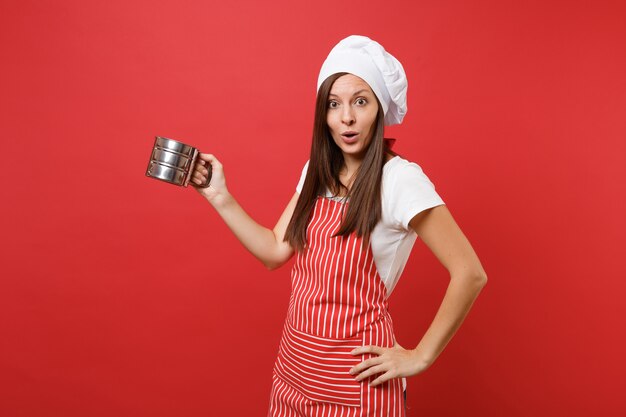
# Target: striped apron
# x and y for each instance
(338, 302)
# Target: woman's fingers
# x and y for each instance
(201, 170)
(200, 173)
(206, 157)
(377, 350)
(198, 179)
(366, 364)
(210, 158)
(370, 366)
(371, 371)
(383, 378)
(393, 362)
(197, 173)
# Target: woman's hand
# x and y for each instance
(217, 187)
(394, 362)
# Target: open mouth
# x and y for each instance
(349, 135)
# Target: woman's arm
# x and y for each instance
(442, 235)
(265, 244)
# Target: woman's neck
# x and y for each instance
(351, 165)
(347, 174)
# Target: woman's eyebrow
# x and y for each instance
(355, 94)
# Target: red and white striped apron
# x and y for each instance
(338, 302)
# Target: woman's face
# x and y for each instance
(351, 115)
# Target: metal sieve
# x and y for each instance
(173, 161)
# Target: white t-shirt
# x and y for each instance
(406, 191)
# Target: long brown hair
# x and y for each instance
(326, 160)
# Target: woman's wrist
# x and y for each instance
(220, 201)
(422, 359)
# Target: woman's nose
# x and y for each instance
(347, 117)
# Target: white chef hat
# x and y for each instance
(367, 59)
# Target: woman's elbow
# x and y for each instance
(273, 265)
(278, 258)
(482, 280)
(477, 280)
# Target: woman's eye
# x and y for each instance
(332, 104)
(361, 101)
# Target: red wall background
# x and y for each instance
(125, 296)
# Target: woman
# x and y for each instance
(352, 222)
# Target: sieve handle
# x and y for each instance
(209, 168)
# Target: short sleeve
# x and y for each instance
(411, 192)
(302, 177)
